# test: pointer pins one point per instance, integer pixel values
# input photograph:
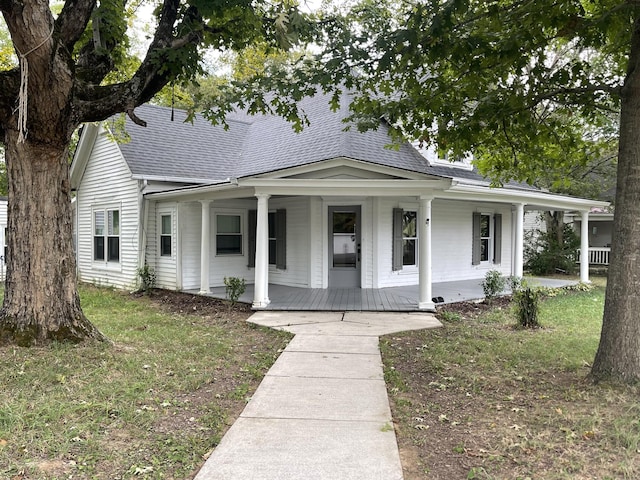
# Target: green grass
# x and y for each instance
(149, 405)
(500, 402)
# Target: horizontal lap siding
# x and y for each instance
(297, 271)
(189, 241)
(165, 267)
(106, 182)
(451, 238)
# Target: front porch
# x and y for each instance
(392, 299)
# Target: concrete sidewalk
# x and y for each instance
(321, 412)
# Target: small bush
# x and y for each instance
(234, 288)
(493, 284)
(147, 276)
(527, 302)
(545, 255)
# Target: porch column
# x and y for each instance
(205, 247)
(584, 247)
(519, 241)
(424, 255)
(261, 283)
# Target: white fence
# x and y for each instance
(598, 255)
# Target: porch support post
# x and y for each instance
(261, 283)
(424, 255)
(584, 247)
(519, 241)
(205, 247)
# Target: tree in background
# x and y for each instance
(74, 67)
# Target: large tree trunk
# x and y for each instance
(618, 356)
(41, 302)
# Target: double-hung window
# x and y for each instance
(405, 238)
(228, 234)
(277, 238)
(487, 238)
(106, 235)
(165, 235)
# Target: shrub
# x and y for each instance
(147, 276)
(234, 288)
(546, 254)
(527, 302)
(493, 284)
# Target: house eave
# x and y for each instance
(161, 178)
(531, 198)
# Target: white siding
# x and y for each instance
(451, 242)
(189, 216)
(298, 223)
(165, 266)
(107, 183)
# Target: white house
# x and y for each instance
(321, 209)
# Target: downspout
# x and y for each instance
(143, 208)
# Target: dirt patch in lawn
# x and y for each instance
(458, 419)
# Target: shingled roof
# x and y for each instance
(199, 152)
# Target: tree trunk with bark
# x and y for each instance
(41, 302)
(618, 355)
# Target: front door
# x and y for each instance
(344, 246)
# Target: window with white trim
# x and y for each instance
(409, 238)
(106, 235)
(228, 234)
(485, 237)
(166, 227)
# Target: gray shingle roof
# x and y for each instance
(262, 144)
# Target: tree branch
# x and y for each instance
(73, 20)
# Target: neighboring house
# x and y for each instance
(600, 234)
(320, 209)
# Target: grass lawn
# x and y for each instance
(151, 405)
(479, 399)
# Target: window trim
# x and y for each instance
(241, 234)
(162, 234)
(106, 259)
(494, 244)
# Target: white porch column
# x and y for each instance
(261, 283)
(584, 247)
(424, 255)
(519, 241)
(205, 247)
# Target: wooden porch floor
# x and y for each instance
(393, 299)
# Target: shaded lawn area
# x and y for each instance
(479, 399)
(151, 405)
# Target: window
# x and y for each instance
(273, 240)
(405, 238)
(487, 238)
(228, 235)
(409, 238)
(277, 238)
(106, 235)
(165, 235)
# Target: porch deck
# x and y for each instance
(392, 299)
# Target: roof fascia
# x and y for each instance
(83, 151)
(539, 199)
(344, 186)
(228, 189)
(343, 162)
(161, 178)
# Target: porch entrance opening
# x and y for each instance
(344, 246)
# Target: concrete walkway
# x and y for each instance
(321, 412)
